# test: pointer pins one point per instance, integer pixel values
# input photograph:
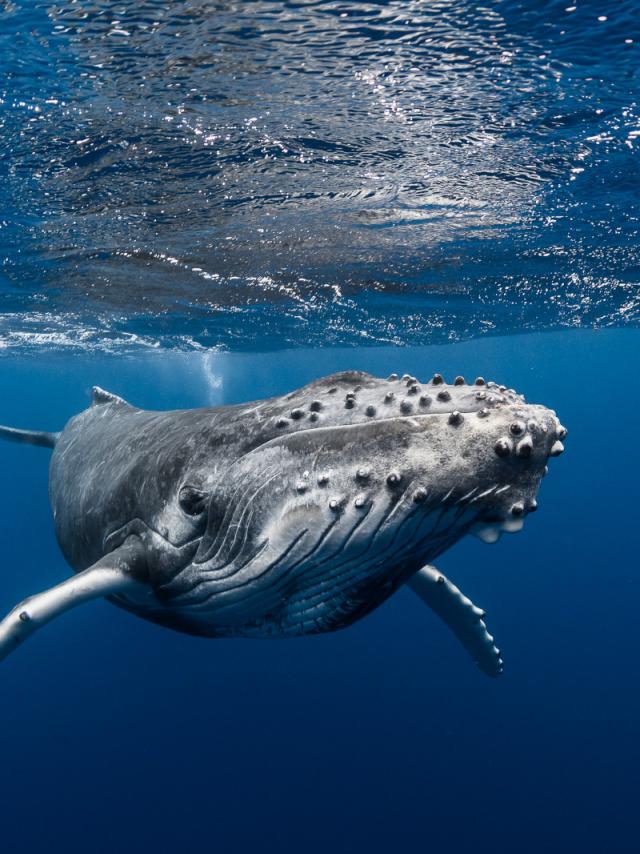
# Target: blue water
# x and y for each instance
(261, 174)
(211, 202)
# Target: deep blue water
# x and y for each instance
(208, 202)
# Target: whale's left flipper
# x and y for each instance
(111, 574)
(463, 618)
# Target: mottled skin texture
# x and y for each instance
(298, 514)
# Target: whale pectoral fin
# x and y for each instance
(113, 573)
(459, 613)
(29, 437)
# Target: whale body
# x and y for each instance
(294, 515)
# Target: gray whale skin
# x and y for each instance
(289, 516)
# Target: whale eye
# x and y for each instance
(192, 500)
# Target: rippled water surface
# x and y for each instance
(261, 174)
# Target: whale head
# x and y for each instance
(366, 482)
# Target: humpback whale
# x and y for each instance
(294, 515)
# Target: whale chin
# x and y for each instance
(490, 532)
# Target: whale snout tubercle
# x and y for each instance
(526, 437)
(522, 439)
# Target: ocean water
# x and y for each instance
(212, 202)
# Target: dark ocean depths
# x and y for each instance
(208, 202)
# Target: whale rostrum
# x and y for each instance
(294, 515)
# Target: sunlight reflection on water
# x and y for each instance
(266, 174)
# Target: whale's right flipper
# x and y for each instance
(29, 437)
(114, 573)
(463, 618)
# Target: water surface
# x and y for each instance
(259, 174)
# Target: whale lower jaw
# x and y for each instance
(491, 533)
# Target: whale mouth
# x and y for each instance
(490, 532)
(507, 519)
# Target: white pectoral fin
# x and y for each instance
(111, 574)
(459, 613)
